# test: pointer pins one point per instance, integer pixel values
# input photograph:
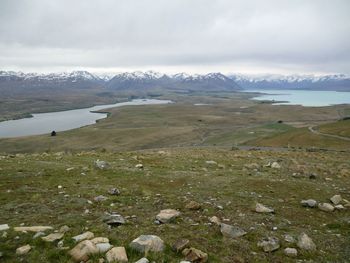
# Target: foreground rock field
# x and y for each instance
(173, 205)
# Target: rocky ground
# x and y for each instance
(173, 205)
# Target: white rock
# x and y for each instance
(336, 199)
(275, 165)
(32, 228)
(97, 240)
(327, 207)
(23, 250)
(53, 237)
(211, 162)
(269, 244)
(305, 242)
(4, 227)
(103, 247)
(117, 254)
(86, 235)
(259, 208)
(142, 260)
(145, 243)
(339, 207)
(231, 231)
(167, 215)
(309, 203)
(291, 252)
(139, 166)
(215, 220)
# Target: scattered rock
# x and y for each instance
(252, 166)
(142, 260)
(38, 234)
(53, 237)
(114, 220)
(102, 165)
(309, 203)
(180, 244)
(193, 205)
(4, 227)
(312, 176)
(231, 231)
(259, 208)
(305, 242)
(83, 250)
(289, 238)
(215, 220)
(103, 247)
(64, 229)
(145, 243)
(114, 191)
(32, 228)
(167, 215)
(139, 166)
(327, 207)
(291, 252)
(275, 165)
(100, 198)
(336, 199)
(195, 255)
(339, 207)
(23, 250)
(211, 162)
(117, 254)
(269, 244)
(86, 235)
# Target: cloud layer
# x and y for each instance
(191, 35)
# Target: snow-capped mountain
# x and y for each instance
(338, 82)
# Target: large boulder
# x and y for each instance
(305, 242)
(336, 199)
(145, 243)
(117, 254)
(326, 207)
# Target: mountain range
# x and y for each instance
(10, 80)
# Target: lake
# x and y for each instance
(306, 98)
(42, 123)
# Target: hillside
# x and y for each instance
(61, 189)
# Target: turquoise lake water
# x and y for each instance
(304, 97)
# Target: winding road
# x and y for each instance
(312, 129)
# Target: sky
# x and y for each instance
(194, 36)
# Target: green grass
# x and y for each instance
(170, 179)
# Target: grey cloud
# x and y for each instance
(299, 35)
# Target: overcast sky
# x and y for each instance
(197, 36)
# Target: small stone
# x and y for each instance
(312, 176)
(103, 247)
(269, 244)
(32, 228)
(142, 260)
(339, 207)
(215, 220)
(275, 165)
(180, 244)
(167, 215)
(23, 250)
(289, 238)
(139, 166)
(114, 220)
(53, 237)
(102, 165)
(100, 198)
(4, 227)
(231, 231)
(83, 250)
(291, 252)
(195, 255)
(327, 207)
(64, 229)
(259, 208)
(305, 242)
(114, 191)
(117, 254)
(193, 205)
(211, 162)
(336, 199)
(86, 235)
(309, 203)
(145, 243)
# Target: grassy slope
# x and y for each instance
(29, 195)
(341, 128)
